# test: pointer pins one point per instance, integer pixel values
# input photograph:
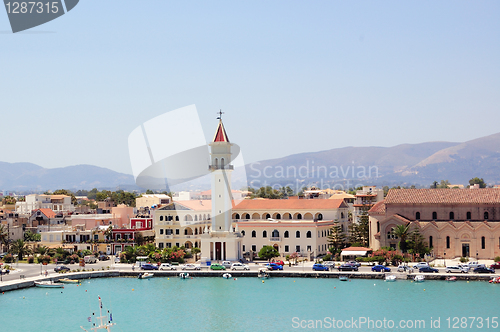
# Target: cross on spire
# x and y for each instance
(220, 115)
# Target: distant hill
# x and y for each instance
(404, 164)
(31, 177)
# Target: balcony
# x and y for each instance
(275, 239)
(213, 167)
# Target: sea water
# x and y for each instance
(248, 304)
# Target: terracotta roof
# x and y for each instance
(47, 212)
(378, 208)
(443, 196)
(270, 204)
(220, 134)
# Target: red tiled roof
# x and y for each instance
(378, 208)
(443, 196)
(48, 213)
(220, 134)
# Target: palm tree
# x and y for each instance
(4, 235)
(402, 232)
(20, 248)
(42, 250)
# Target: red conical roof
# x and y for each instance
(220, 134)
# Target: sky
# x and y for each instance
(290, 76)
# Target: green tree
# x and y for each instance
(4, 236)
(195, 252)
(359, 232)
(149, 192)
(30, 237)
(8, 200)
(417, 244)
(478, 181)
(92, 194)
(402, 232)
(20, 248)
(337, 237)
(268, 252)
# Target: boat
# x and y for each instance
(102, 322)
(495, 280)
(69, 281)
(391, 277)
(145, 275)
(451, 279)
(49, 284)
(343, 278)
(263, 274)
(419, 278)
(184, 275)
(226, 276)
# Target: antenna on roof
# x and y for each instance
(220, 115)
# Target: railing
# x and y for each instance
(213, 167)
(274, 239)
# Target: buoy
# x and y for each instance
(168, 278)
(132, 289)
(424, 289)
(85, 291)
(23, 297)
(263, 281)
(374, 284)
(334, 287)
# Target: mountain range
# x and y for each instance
(405, 164)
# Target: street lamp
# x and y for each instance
(445, 259)
(477, 253)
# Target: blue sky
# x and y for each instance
(291, 76)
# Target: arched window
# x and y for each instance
(469, 217)
(483, 242)
(254, 234)
(452, 215)
(195, 217)
(247, 216)
(243, 233)
(221, 162)
(286, 235)
(320, 216)
(161, 218)
(216, 163)
(378, 226)
(237, 216)
(276, 233)
(434, 215)
(342, 215)
(299, 216)
(264, 234)
(417, 215)
(186, 232)
(486, 215)
(342, 227)
(176, 218)
(196, 231)
(297, 234)
(268, 216)
(430, 242)
(447, 242)
(308, 234)
(278, 216)
(389, 234)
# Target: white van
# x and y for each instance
(90, 259)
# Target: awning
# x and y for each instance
(353, 253)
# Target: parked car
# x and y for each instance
(227, 264)
(347, 267)
(456, 269)
(239, 266)
(381, 268)
(217, 267)
(320, 267)
(472, 265)
(61, 268)
(103, 257)
(419, 265)
(483, 269)
(167, 266)
(90, 259)
(428, 269)
(274, 266)
(354, 263)
(405, 268)
(191, 267)
(330, 264)
(279, 263)
(495, 265)
(148, 266)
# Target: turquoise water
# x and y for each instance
(247, 304)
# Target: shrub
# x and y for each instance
(464, 259)
(31, 260)
(8, 258)
(497, 259)
(327, 257)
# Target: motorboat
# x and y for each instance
(184, 275)
(145, 275)
(263, 274)
(226, 276)
(495, 280)
(391, 277)
(343, 278)
(101, 322)
(49, 284)
(419, 278)
(451, 279)
(69, 281)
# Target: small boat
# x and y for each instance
(145, 276)
(263, 274)
(48, 284)
(451, 279)
(391, 277)
(69, 281)
(184, 275)
(343, 278)
(226, 276)
(419, 278)
(495, 280)
(102, 322)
